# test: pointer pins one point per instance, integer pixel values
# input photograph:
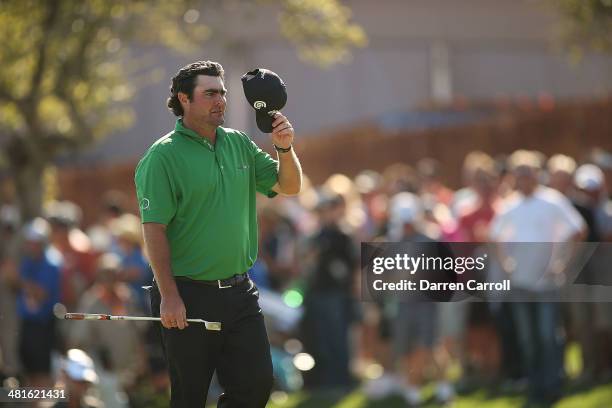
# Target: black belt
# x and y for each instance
(220, 283)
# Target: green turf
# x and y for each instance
(598, 397)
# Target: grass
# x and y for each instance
(597, 397)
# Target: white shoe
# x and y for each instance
(445, 392)
(381, 387)
(412, 395)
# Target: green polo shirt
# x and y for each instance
(205, 194)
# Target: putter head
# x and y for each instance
(215, 326)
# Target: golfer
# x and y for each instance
(196, 188)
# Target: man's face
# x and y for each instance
(77, 389)
(593, 195)
(207, 105)
(35, 249)
(484, 184)
(526, 179)
(561, 180)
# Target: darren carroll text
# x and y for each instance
(406, 285)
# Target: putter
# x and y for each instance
(214, 326)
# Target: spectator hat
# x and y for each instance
(266, 93)
(368, 181)
(327, 198)
(562, 163)
(127, 227)
(589, 177)
(79, 366)
(525, 158)
(9, 216)
(64, 213)
(36, 230)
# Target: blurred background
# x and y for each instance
(412, 117)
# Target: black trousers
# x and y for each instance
(36, 342)
(240, 352)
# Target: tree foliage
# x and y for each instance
(587, 24)
(322, 30)
(67, 75)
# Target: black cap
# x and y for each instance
(266, 93)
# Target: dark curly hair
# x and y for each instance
(184, 81)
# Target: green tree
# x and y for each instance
(587, 24)
(67, 74)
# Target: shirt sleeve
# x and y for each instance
(571, 220)
(156, 196)
(266, 169)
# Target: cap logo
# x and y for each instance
(259, 104)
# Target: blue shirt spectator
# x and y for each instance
(44, 273)
(138, 267)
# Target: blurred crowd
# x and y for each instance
(309, 261)
(51, 266)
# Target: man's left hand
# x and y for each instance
(282, 131)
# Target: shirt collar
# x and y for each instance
(179, 127)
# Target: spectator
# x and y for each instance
(328, 300)
(476, 208)
(591, 202)
(77, 378)
(603, 159)
(135, 269)
(39, 291)
(9, 273)
(399, 177)
(117, 347)
(78, 268)
(369, 185)
(276, 263)
(465, 197)
(560, 173)
(354, 216)
(113, 206)
(431, 182)
(415, 324)
(475, 218)
(535, 214)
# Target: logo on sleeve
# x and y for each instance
(144, 204)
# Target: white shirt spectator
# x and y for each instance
(544, 217)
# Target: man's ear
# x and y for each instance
(183, 97)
